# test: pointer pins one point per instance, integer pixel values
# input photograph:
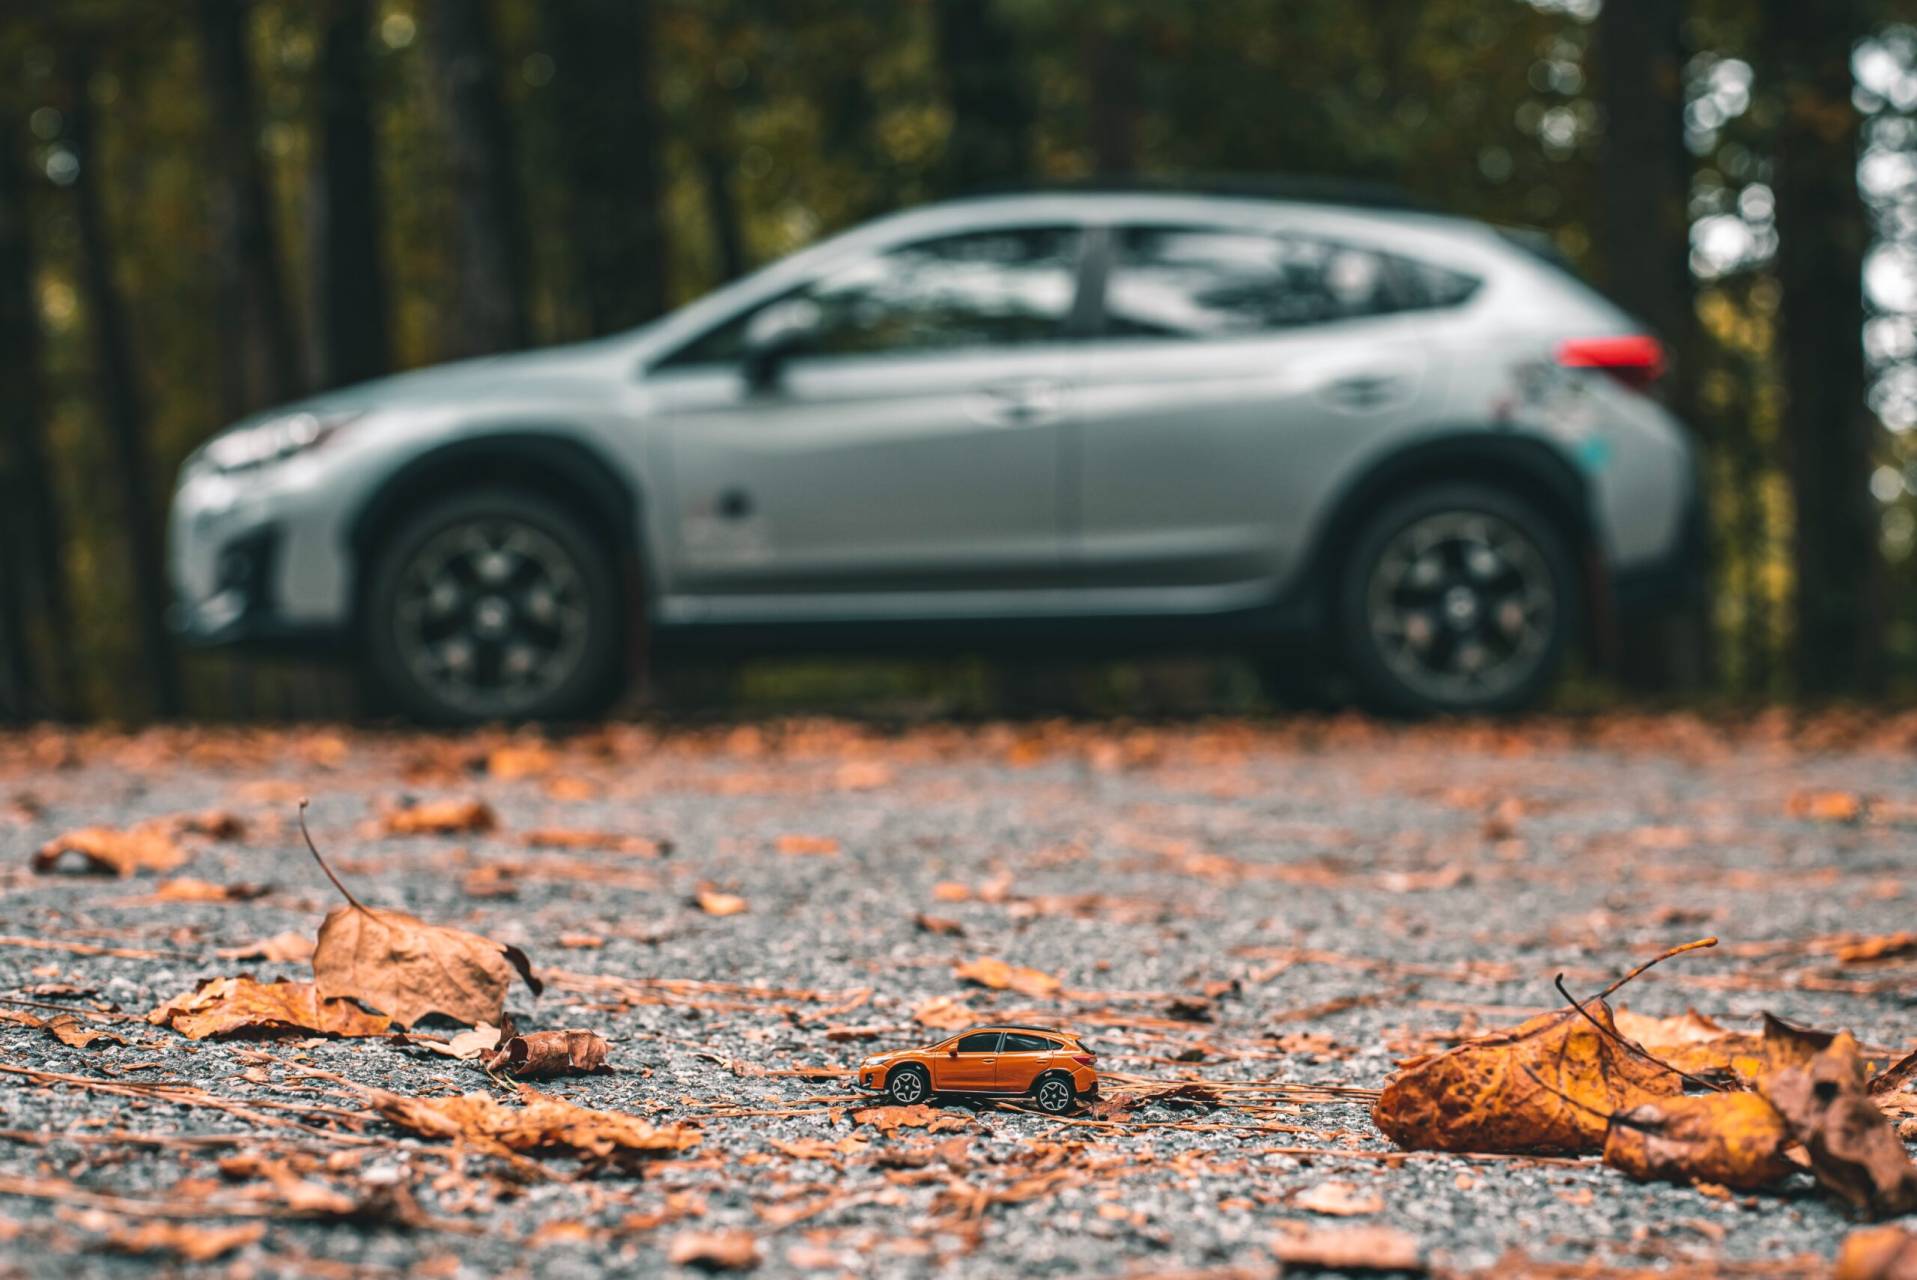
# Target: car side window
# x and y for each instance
(982, 1042)
(1015, 1043)
(1211, 282)
(981, 289)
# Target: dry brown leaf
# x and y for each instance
(75, 1034)
(598, 841)
(889, 1120)
(944, 1013)
(1550, 1084)
(241, 1006)
(1898, 1077)
(215, 824)
(1338, 1200)
(405, 968)
(715, 903)
(1732, 1139)
(1875, 950)
(1854, 1152)
(819, 846)
(1878, 1253)
(999, 976)
(187, 889)
(440, 817)
(187, 1241)
(938, 925)
(551, 1053)
(542, 1124)
(109, 851)
(1348, 1248)
(519, 760)
(281, 948)
(581, 941)
(733, 1250)
(1826, 806)
(1693, 1043)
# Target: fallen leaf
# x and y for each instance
(1826, 806)
(1877, 1253)
(75, 1034)
(281, 948)
(1348, 1248)
(1888, 946)
(715, 903)
(1339, 1200)
(402, 966)
(1693, 1043)
(944, 1013)
(108, 851)
(1550, 1084)
(1733, 1139)
(542, 1124)
(1000, 976)
(519, 760)
(440, 817)
(733, 1250)
(215, 824)
(187, 1241)
(820, 846)
(581, 941)
(235, 1006)
(187, 889)
(598, 841)
(551, 1053)
(889, 1120)
(1854, 1151)
(938, 925)
(1899, 1076)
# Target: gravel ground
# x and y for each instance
(1303, 902)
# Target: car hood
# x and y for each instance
(580, 370)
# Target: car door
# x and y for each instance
(1238, 368)
(1020, 1059)
(971, 1064)
(908, 458)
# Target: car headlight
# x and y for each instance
(273, 440)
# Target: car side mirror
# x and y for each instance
(774, 336)
(952, 1052)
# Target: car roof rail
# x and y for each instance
(1306, 188)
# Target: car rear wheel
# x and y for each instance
(495, 605)
(1459, 599)
(1054, 1094)
(907, 1086)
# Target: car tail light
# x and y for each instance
(1635, 360)
(1084, 1059)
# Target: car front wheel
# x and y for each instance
(1054, 1095)
(494, 605)
(907, 1086)
(1458, 599)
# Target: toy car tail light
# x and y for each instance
(1636, 360)
(1084, 1059)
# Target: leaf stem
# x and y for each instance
(1628, 1045)
(1657, 959)
(344, 891)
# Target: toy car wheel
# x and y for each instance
(1054, 1095)
(907, 1086)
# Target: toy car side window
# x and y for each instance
(1015, 1043)
(983, 1042)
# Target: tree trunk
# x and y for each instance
(989, 95)
(349, 272)
(1645, 230)
(1829, 437)
(38, 617)
(122, 406)
(489, 224)
(605, 99)
(261, 357)
(1111, 71)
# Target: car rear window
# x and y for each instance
(1015, 1043)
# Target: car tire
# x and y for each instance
(1459, 599)
(1054, 1094)
(908, 1086)
(489, 606)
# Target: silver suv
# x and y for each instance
(1404, 443)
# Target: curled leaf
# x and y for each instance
(1732, 1139)
(1854, 1152)
(541, 1125)
(551, 1053)
(109, 851)
(241, 1006)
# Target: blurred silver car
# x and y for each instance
(1101, 420)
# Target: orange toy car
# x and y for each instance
(1052, 1067)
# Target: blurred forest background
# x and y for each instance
(209, 206)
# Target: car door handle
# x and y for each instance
(1364, 390)
(987, 1061)
(1022, 404)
